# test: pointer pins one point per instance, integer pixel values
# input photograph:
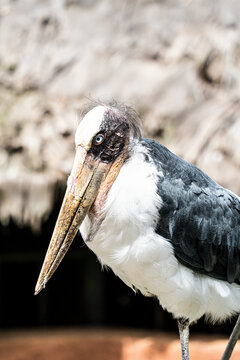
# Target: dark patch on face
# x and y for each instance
(116, 130)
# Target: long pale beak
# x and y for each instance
(86, 178)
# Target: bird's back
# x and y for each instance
(199, 217)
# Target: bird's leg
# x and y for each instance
(183, 326)
(232, 340)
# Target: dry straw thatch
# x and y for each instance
(177, 61)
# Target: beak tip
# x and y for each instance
(38, 288)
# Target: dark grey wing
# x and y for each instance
(199, 217)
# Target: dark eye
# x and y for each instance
(98, 139)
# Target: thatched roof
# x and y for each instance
(36, 155)
(176, 61)
(209, 137)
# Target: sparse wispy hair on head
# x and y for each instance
(128, 114)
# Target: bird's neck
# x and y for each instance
(98, 205)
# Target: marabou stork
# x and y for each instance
(161, 224)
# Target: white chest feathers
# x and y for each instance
(126, 242)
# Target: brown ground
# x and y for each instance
(105, 345)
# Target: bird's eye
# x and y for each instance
(98, 139)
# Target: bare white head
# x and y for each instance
(89, 127)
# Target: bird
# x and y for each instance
(163, 226)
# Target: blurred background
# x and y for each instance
(177, 62)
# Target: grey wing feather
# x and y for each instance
(199, 217)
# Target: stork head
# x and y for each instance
(102, 143)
